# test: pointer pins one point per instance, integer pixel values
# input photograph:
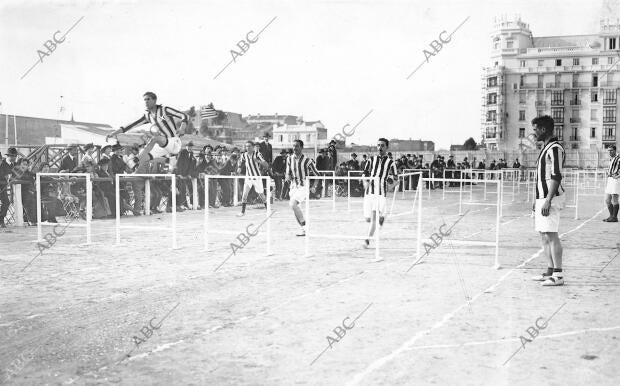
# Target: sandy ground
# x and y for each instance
(72, 315)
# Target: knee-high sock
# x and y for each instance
(610, 208)
(616, 208)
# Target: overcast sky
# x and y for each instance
(332, 61)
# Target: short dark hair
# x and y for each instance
(300, 142)
(387, 143)
(250, 142)
(545, 122)
(612, 147)
(150, 94)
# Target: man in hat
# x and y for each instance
(7, 171)
(70, 162)
(353, 163)
(612, 190)
(279, 168)
(450, 165)
(106, 152)
(266, 149)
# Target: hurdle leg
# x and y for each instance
(333, 192)
(118, 210)
(348, 195)
(174, 211)
(206, 208)
(89, 207)
(268, 217)
(419, 230)
(147, 197)
(39, 230)
(461, 198)
(497, 222)
(307, 238)
(17, 203)
(195, 193)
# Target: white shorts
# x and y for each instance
(250, 182)
(171, 149)
(549, 223)
(613, 186)
(298, 193)
(374, 202)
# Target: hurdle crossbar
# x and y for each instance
(89, 203)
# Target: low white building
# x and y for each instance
(313, 134)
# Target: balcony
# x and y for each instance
(541, 104)
(574, 138)
(557, 102)
(557, 85)
(490, 135)
(574, 102)
(609, 119)
(610, 138)
(609, 101)
(575, 120)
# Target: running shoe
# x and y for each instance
(553, 281)
(541, 277)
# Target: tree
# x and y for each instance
(470, 144)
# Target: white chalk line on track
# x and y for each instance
(408, 345)
(510, 340)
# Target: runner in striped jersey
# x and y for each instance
(613, 185)
(252, 161)
(549, 199)
(382, 167)
(166, 141)
(298, 166)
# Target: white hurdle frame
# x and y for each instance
(481, 243)
(206, 231)
(320, 235)
(89, 203)
(361, 172)
(147, 204)
(323, 177)
(577, 174)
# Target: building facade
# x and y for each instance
(313, 134)
(574, 79)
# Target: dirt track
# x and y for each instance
(262, 319)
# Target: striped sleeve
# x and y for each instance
(141, 121)
(312, 168)
(287, 174)
(556, 157)
(176, 113)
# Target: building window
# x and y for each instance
(541, 62)
(558, 62)
(609, 133)
(557, 114)
(521, 132)
(557, 98)
(558, 131)
(496, 45)
(523, 63)
(609, 114)
(594, 61)
(610, 60)
(492, 81)
(539, 113)
(594, 80)
(573, 136)
(593, 132)
(594, 96)
(521, 96)
(491, 99)
(522, 115)
(609, 97)
(612, 43)
(593, 114)
(491, 116)
(491, 132)
(509, 44)
(575, 61)
(281, 138)
(521, 80)
(307, 138)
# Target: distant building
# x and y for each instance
(572, 78)
(273, 119)
(411, 145)
(313, 134)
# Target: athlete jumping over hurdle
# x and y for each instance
(382, 167)
(166, 142)
(252, 160)
(298, 166)
(612, 190)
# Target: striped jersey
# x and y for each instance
(614, 166)
(297, 168)
(382, 167)
(549, 167)
(162, 118)
(252, 163)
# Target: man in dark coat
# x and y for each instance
(70, 162)
(265, 149)
(279, 169)
(7, 171)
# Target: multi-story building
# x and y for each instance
(574, 79)
(313, 134)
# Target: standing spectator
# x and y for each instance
(89, 149)
(70, 162)
(353, 163)
(6, 172)
(450, 165)
(266, 149)
(279, 169)
(516, 164)
(364, 161)
(229, 168)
